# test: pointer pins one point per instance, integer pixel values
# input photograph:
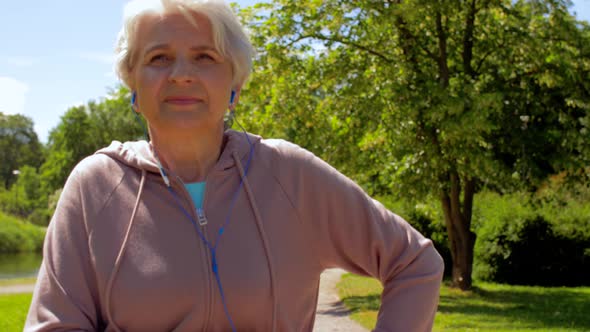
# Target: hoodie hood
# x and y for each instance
(139, 154)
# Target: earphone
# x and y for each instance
(212, 246)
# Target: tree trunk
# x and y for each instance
(458, 222)
(458, 213)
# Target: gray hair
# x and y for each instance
(229, 37)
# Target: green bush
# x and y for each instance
(19, 236)
(40, 217)
(521, 238)
(26, 198)
(523, 241)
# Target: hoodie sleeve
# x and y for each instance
(356, 233)
(65, 297)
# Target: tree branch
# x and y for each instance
(481, 61)
(468, 40)
(443, 68)
(406, 38)
(345, 42)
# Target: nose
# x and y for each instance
(183, 72)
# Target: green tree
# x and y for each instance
(113, 119)
(19, 145)
(24, 195)
(427, 97)
(85, 129)
(68, 143)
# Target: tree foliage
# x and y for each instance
(83, 130)
(19, 146)
(427, 97)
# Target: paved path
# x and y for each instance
(331, 314)
(26, 288)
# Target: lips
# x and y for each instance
(182, 100)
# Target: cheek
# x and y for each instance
(219, 82)
(148, 85)
(150, 79)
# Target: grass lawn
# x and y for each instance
(13, 311)
(489, 307)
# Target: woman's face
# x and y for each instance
(182, 82)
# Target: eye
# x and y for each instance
(159, 59)
(204, 57)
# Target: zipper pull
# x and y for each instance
(201, 216)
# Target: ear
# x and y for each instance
(235, 99)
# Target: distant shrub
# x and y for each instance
(526, 242)
(19, 236)
(40, 217)
(521, 238)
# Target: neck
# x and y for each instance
(189, 156)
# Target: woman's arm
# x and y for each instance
(354, 232)
(65, 296)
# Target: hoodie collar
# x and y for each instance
(138, 154)
(239, 142)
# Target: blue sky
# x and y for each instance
(57, 54)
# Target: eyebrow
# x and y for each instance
(194, 48)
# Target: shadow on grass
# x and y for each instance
(335, 310)
(362, 303)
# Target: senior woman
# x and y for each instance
(207, 229)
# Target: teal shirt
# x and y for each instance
(197, 192)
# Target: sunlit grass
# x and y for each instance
(489, 307)
(13, 311)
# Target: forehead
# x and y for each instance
(174, 28)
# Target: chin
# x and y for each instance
(190, 123)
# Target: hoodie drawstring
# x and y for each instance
(121, 253)
(259, 225)
(264, 239)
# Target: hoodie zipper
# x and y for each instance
(202, 220)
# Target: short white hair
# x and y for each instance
(229, 36)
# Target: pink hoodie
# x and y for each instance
(120, 255)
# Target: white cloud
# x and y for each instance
(19, 61)
(104, 58)
(12, 95)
